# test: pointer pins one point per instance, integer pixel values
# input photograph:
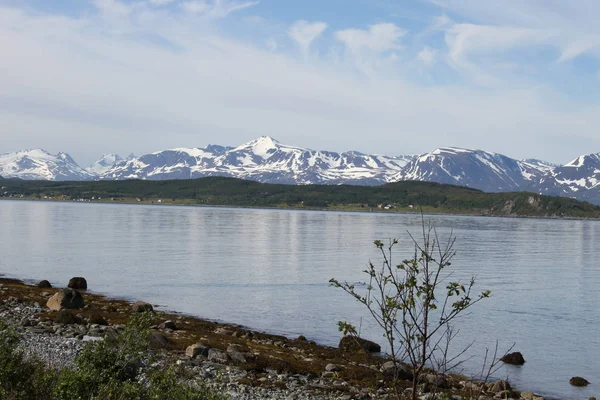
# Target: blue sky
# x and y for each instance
(88, 77)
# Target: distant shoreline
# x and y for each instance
(183, 203)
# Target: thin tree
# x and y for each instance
(403, 301)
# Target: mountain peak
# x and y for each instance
(104, 163)
(582, 160)
(41, 165)
(263, 146)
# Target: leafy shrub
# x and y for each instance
(21, 378)
(125, 369)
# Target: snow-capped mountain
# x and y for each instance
(580, 179)
(490, 172)
(106, 162)
(264, 160)
(41, 165)
(269, 161)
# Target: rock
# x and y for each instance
(530, 396)
(472, 386)
(78, 283)
(140, 306)
(241, 357)
(332, 368)
(578, 381)
(98, 320)
(503, 394)
(301, 338)
(235, 348)
(168, 325)
(44, 285)
(515, 358)
(218, 356)
(158, 340)
(66, 317)
(592, 398)
(352, 343)
(399, 371)
(437, 381)
(223, 331)
(66, 298)
(25, 322)
(500, 386)
(197, 350)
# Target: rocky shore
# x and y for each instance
(226, 358)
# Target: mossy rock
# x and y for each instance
(78, 283)
(353, 344)
(44, 285)
(66, 317)
(515, 358)
(578, 381)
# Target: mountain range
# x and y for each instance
(269, 161)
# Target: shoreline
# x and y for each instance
(307, 209)
(275, 363)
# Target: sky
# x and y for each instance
(394, 77)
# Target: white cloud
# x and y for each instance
(427, 56)
(440, 22)
(218, 8)
(572, 30)
(304, 33)
(160, 2)
(114, 7)
(196, 7)
(271, 44)
(466, 40)
(378, 38)
(85, 86)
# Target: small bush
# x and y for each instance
(123, 368)
(21, 378)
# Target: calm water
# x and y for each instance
(269, 270)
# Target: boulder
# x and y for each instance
(241, 357)
(332, 368)
(235, 348)
(44, 285)
(66, 298)
(352, 343)
(66, 317)
(578, 381)
(168, 325)
(78, 283)
(197, 350)
(140, 306)
(218, 356)
(223, 331)
(515, 358)
(500, 386)
(437, 381)
(397, 371)
(158, 340)
(504, 394)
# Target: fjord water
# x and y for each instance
(269, 270)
